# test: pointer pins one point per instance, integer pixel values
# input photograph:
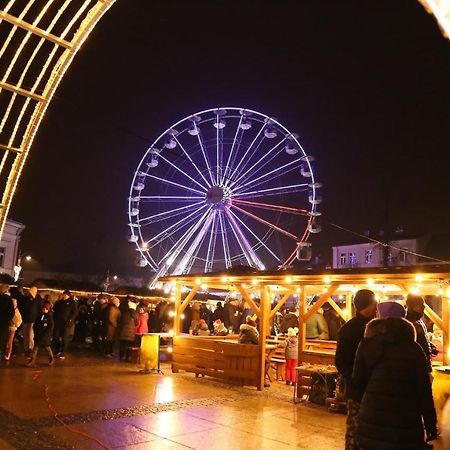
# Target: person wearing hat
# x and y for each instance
(291, 355)
(415, 305)
(349, 338)
(248, 334)
(219, 328)
(391, 374)
(65, 311)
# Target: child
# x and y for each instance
(291, 355)
(142, 325)
(43, 333)
(219, 328)
(14, 323)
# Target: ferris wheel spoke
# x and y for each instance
(239, 132)
(167, 214)
(195, 245)
(276, 173)
(205, 156)
(172, 229)
(287, 189)
(249, 253)
(192, 162)
(166, 262)
(265, 222)
(255, 236)
(167, 198)
(283, 209)
(226, 247)
(183, 172)
(258, 164)
(234, 171)
(211, 244)
(163, 180)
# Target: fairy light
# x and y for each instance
(327, 280)
(254, 282)
(447, 292)
(370, 282)
(198, 281)
(288, 280)
(419, 277)
(224, 279)
(203, 286)
(415, 290)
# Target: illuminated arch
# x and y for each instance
(38, 41)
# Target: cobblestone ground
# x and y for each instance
(106, 404)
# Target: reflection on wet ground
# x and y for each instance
(105, 404)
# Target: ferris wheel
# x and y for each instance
(221, 188)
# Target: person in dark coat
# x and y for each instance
(289, 320)
(64, 315)
(391, 373)
(113, 317)
(218, 313)
(43, 334)
(248, 333)
(349, 338)
(100, 322)
(127, 330)
(415, 309)
(6, 314)
(334, 321)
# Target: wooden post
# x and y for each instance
(348, 306)
(264, 319)
(301, 323)
(446, 327)
(177, 318)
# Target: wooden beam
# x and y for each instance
(446, 329)
(301, 323)
(337, 308)
(322, 299)
(188, 298)
(280, 304)
(35, 30)
(263, 332)
(176, 320)
(249, 300)
(433, 316)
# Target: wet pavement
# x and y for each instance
(102, 403)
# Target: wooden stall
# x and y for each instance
(267, 293)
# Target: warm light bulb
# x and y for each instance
(326, 280)
(298, 290)
(288, 280)
(182, 316)
(370, 281)
(447, 292)
(169, 349)
(419, 277)
(224, 279)
(204, 287)
(198, 281)
(170, 333)
(254, 281)
(415, 290)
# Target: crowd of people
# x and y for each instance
(384, 358)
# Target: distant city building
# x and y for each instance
(9, 246)
(401, 251)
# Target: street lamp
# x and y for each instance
(18, 267)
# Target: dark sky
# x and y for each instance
(366, 85)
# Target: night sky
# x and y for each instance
(366, 85)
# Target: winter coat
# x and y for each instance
(315, 326)
(248, 334)
(422, 337)
(391, 372)
(65, 312)
(220, 330)
(349, 338)
(334, 322)
(43, 329)
(16, 321)
(218, 314)
(290, 320)
(291, 347)
(6, 310)
(142, 324)
(29, 307)
(100, 318)
(127, 325)
(113, 316)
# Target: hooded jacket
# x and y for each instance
(248, 334)
(291, 346)
(391, 373)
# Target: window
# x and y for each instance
(2, 256)
(403, 255)
(369, 256)
(343, 259)
(352, 258)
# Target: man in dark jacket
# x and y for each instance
(65, 312)
(349, 338)
(6, 314)
(415, 309)
(29, 307)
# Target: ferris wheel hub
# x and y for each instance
(215, 195)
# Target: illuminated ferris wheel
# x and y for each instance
(221, 188)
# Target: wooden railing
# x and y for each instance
(238, 363)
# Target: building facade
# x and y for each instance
(9, 246)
